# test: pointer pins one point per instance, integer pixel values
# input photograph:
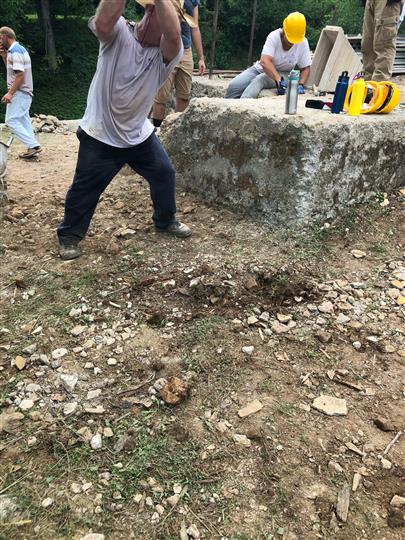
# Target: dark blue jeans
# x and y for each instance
(97, 165)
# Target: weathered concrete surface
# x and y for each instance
(290, 170)
(205, 87)
(216, 88)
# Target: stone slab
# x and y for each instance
(289, 170)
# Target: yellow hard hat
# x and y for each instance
(384, 97)
(392, 97)
(376, 94)
(294, 27)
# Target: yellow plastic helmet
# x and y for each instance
(391, 95)
(379, 97)
(294, 27)
(375, 97)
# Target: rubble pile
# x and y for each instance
(44, 123)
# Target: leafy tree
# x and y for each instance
(12, 13)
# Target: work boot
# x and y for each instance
(31, 152)
(68, 252)
(176, 229)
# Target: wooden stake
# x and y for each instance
(214, 37)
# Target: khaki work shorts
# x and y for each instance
(180, 78)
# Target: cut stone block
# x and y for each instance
(333, 54)
(288, 170)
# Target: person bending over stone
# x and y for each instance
(134, 61)
(285, 49)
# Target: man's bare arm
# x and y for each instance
(18, 82)
(170, 25)
(197, 42)
(107, 14)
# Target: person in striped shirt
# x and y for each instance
(18, 98)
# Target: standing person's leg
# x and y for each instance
(258, 84)
(385, 35)
(97, 164)
(161, 99)
(238, 85)
(184, 80)
(19, 121)
(367, 42)
(150, 160)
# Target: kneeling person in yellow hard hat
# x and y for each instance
(285, 49)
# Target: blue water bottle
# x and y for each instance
(340, 93)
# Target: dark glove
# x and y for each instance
(301, 89)
(281, 87)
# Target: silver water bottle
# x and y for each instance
(291, 99)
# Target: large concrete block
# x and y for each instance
(333, 54)
(289, 170)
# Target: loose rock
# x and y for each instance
(20, 362)
(59, 353)
(343, 503)
(384, 424)
(250, 408)
(175, 391)
(330, 405)
(242, 440)
(78, 330)
(70, 408)
(358, 254)
(69, 381)
(356, 481)
(335, 467)
(193, 532)
(397, 501)
(26, 404)
(323, 336)
(342, 319)
(326, 307)
(385, 463)
(96, 442)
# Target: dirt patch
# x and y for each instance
(238, 312)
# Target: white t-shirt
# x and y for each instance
(284, 61)
(123, 88)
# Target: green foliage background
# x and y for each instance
(64, 92)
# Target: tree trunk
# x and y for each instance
(50, 48)
(252, 33)
(334, 16)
